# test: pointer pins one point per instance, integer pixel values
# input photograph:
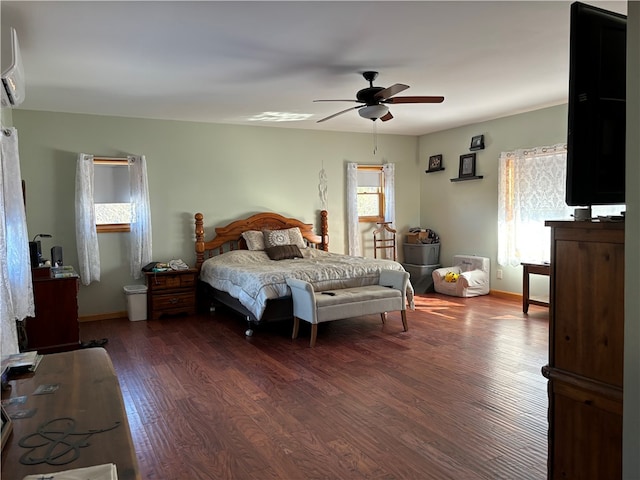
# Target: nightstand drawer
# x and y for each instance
(174, 301)
(160, 282)
(188, 280)
(170, 280)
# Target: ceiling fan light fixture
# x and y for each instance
(373, 112)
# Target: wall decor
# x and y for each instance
(467, 165)
(477, 143)
(435, 163)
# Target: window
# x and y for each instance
(370, 192)
(531, 190)
(111, 195)
(370, 198)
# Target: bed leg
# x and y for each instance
(249, 331)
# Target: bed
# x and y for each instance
(236, 270)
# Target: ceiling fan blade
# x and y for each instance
(343, 100)
(386, 117)
(396, 100)
(390, 91)
(339, 113)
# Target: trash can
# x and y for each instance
(136, 302)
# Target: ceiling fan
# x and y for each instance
(374, 100)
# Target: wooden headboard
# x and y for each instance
(230, 237)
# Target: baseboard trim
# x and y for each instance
(516, 297)
(103, 316)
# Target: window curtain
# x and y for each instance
(388, 170)
(16, 288)
(86, 235)
(531, 189)
(140, 237)
(353, 230)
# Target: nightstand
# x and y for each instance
(171, 292)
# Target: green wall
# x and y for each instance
(226, 172)
(465, 214)
(223, 171)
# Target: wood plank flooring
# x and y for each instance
(459, 396)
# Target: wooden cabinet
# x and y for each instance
(55, 325)
(171, 292)
(586, 346)
(87, 400)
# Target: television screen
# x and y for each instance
(597, 96)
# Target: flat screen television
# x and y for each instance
(597, 97)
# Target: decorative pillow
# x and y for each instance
(286, 236)
(295, 235)
(283, 252)
(254, 239)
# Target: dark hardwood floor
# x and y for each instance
(459, 396)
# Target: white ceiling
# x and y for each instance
(228, 62)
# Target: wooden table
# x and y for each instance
(528, 269)
(88, 394)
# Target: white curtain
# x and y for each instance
(140, 239)
(353, 230)
(531, 189)
(86, 235)
(388, 169)
(16, 288)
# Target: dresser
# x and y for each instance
(586, 346)
(54, 328)
(171, 292)
(84, 417)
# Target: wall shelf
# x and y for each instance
(434, 170)
(463, 179)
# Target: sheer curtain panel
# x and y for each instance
(389, 170)
(531, 190)
(86, 234)
(140, 236)
(16, 288)
(353, 230)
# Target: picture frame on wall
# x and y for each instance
(435, 163)
(477, 143)
(467, 165)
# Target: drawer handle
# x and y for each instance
(174, 300)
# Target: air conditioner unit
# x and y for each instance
(13, 83)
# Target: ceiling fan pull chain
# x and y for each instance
(375, 138)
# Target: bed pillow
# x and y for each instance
(283, 252)
(286, 236)
(254, 239)
(295, 235)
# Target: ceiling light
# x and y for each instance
(373, 111)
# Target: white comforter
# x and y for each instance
(252, 278)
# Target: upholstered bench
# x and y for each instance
(317, 307)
